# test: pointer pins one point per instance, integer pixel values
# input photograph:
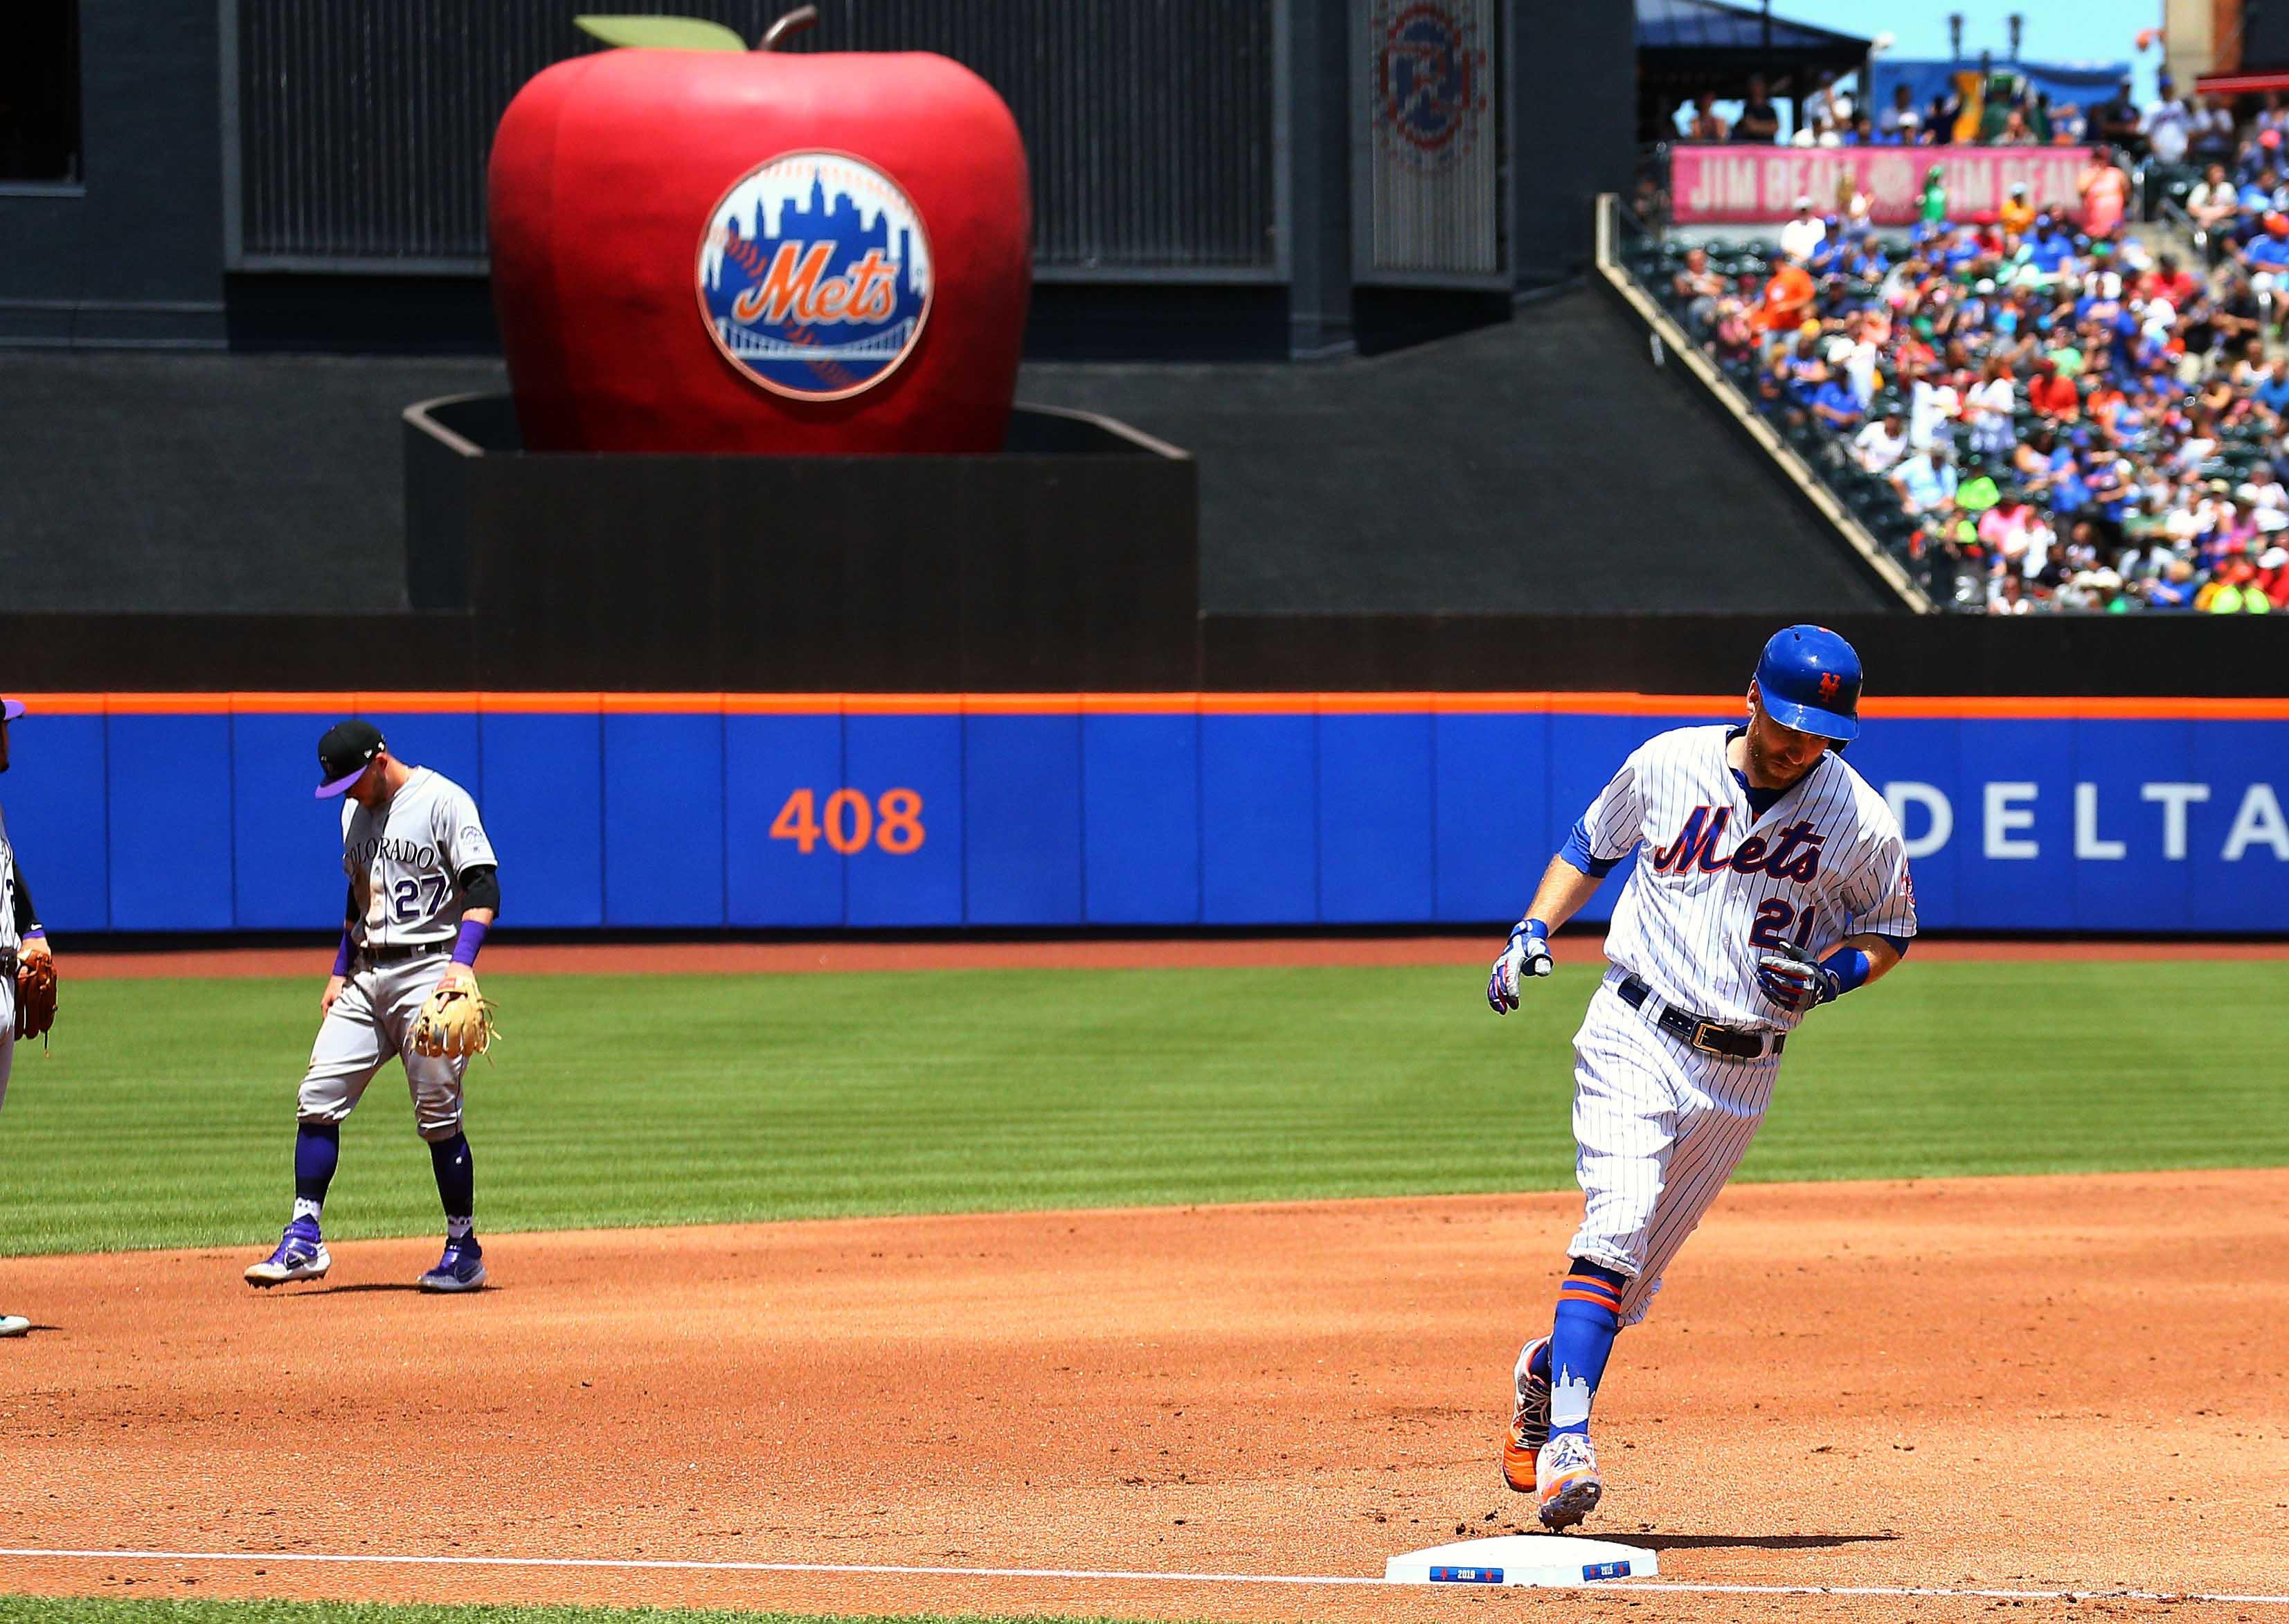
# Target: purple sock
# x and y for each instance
(317, 1149)
(457, 1180)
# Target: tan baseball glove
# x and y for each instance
(36, 996)
(455, 1021)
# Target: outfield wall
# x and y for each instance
(187, 812)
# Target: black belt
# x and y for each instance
(1703, 1034)
(394, 955)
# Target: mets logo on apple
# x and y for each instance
(814, 275)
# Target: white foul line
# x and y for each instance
(1149, 1576)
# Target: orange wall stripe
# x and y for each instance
(1140, 705)
(661, 704)
(1488, 704)
(64, 705)
(1021, 704)
(438, 704)
(777, 704)
(337, 706)
(541, 704)
(901, 705)
(1875, 708)
(1375, 704)
(1259, 705)
(1646, 704)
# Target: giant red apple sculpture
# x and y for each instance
(712, 250)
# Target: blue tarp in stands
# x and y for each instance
(2085, 84)
(1709, 25)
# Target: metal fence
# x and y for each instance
(356, 130)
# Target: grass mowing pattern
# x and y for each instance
(164, 1116)
(57, 1610)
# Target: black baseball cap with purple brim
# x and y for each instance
(343, 755)
(11, 709)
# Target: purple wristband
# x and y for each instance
(465, 944)
(342, 954)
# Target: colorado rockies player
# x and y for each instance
(20, 937)
(424, 887)
(1773, 880)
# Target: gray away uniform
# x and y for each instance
(405, 864)
(16, 917)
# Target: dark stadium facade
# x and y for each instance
(1210, 176)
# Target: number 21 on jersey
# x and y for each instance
(1774, 915)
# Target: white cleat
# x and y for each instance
(14, 1325)
(299, 1257)
(1565, 1477)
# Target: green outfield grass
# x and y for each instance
(165, 1114)
(54, 1609)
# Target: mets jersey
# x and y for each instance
(1717, 886)
(405, 861)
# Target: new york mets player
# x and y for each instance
(424, 887)
(1773, 879)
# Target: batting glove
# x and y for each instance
(1795, 980)
(1527, 954)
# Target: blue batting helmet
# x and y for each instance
(1809, 680)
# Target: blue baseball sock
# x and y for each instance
(456, 1183)
(1581, 1340)
(317, 1149)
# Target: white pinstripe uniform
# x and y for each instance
(1660, 1125)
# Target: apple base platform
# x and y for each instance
(1066, 562)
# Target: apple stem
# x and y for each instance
(794, 22)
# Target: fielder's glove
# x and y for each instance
(1527, 954)
(36, 996)
(456, 1021)
(1795, 979)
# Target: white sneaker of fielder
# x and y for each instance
(13, 1325)
(1566, 1479)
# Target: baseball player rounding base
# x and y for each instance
(1773, 880)
(27, 981)
(423, 888)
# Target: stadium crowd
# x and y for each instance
(2040, 410)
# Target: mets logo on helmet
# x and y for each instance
(814, 275)
(1829, 683)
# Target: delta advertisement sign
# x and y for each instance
(2106, 823)
(873, 811)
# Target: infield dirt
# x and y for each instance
(2044, 1383)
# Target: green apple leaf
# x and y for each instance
(662, 33)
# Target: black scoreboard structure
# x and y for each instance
(1257, 177)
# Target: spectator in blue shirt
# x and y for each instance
(1926, 482)
(2174, 588)
(2266, 256)
(2272, 395)
(1867, 262)
(1835, 406)
(2049, 248)
(2069, 494)
(1828, 254)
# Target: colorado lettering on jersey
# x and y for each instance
(1792, 854)
(407, 852)
(405, 859)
